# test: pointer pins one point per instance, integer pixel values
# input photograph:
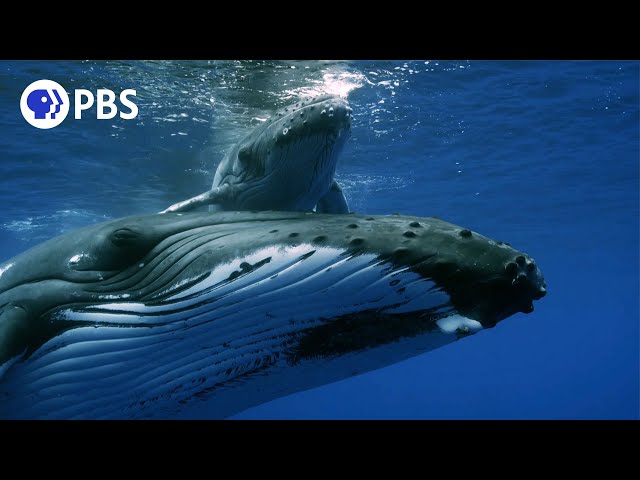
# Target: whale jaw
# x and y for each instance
(285, 311)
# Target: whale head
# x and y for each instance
(143, 315)
(290, 160)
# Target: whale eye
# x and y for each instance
(114, 249)
(125, 237)
(119, 249)
(244, 154)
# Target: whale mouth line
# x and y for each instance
(325, 136)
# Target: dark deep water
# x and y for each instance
(541, 154)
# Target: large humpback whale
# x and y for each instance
(286, 163)
(151, 316)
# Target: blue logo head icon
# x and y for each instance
(44, 104)
(40, 103)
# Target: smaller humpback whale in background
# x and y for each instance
(144, 316)
(288, 163)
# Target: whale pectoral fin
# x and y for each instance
(207, 198)
(333, 201)
(14, 329)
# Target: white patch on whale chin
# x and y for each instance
(5, 268)
(454, 322)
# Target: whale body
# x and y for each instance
(207, 314)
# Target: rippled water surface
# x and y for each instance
(541, 154)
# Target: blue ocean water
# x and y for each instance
(541, 154)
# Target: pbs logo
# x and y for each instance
(45, 104)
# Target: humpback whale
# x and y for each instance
(286, 163)
(160, 315)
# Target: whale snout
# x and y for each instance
(333, 112)
(327, 114)
(526, 277)
(525, 282)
